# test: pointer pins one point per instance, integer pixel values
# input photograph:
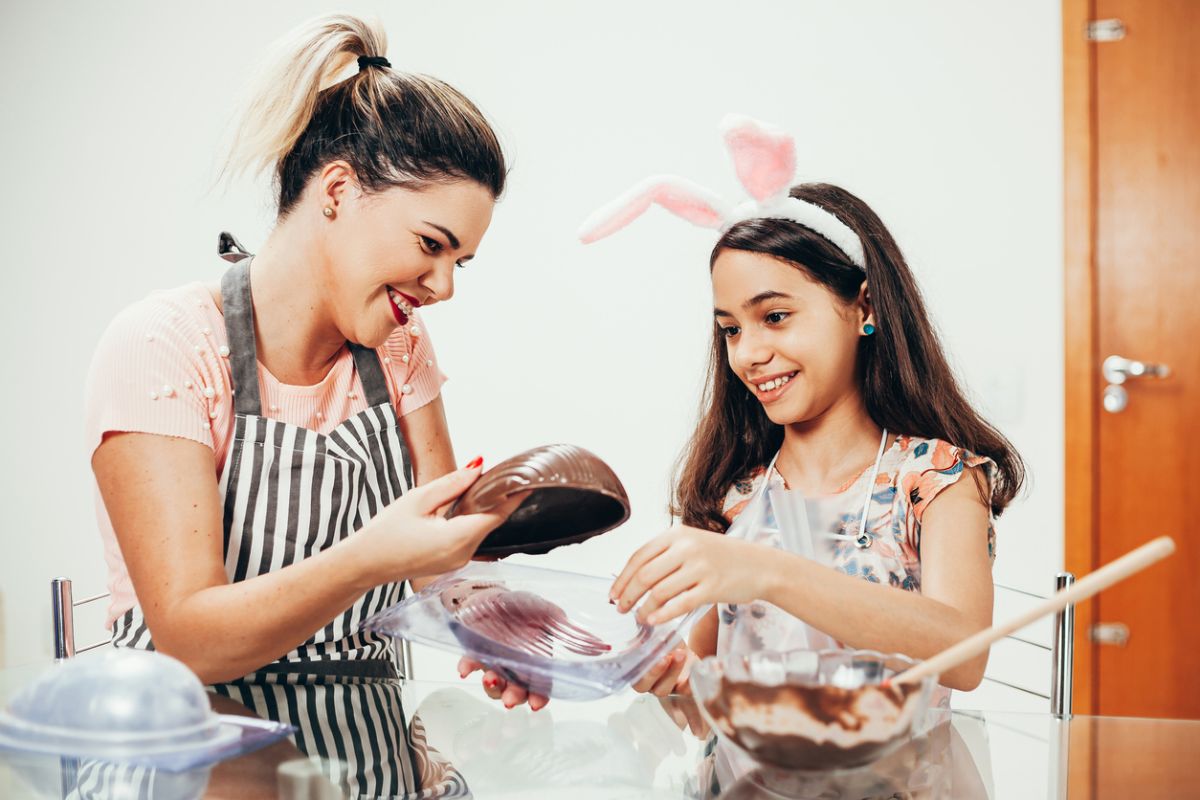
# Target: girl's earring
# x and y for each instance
(868, 329)
(328, 211)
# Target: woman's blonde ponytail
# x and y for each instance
(311, 103)
(280, 101)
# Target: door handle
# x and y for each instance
(1117, 369)
(1114, 633)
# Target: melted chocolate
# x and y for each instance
(826, 707)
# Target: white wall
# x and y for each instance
(945, 116)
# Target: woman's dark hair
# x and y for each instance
(907, 384)
(393, 128)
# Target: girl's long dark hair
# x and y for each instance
(907, 384)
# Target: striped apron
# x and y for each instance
(289, 492)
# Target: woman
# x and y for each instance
(256, 445)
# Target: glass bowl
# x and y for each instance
(810, 710)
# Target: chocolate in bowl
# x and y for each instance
(811, 710)
(573, 496)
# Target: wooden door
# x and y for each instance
(1136, 286)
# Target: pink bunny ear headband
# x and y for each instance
(765, 160)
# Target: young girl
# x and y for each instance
(256, 444)
(826, 379)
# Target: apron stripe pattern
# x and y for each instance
(287, 493)
(281, 477)
(98, 780)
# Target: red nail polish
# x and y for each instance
(475, 462)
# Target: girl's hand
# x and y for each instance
(670, 675)
(411, 538)
(684, 712)
(686, 568)
(498, 688)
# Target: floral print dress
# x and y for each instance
(912, 473)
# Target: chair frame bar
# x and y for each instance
(1063, 655)
(1062, 650)
(62, 621)
(62, 618)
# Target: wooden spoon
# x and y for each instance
(1113, 572)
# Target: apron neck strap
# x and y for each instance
(863, 540)
(239, 330)
(767, 475)
(243, 347)
(370, 373)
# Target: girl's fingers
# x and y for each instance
(683, 685)
(677, 714)
(666, 684)
(643, 554)
(696, 723)
(646, 682)
(678, 605)
(646, 578)
(670, 587)
(537, 701)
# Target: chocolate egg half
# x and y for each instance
(574, 496)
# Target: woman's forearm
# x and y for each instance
(226, 631)
(868, 615)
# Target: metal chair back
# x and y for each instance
(1061, 651)
(62, 619)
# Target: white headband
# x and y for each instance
(765, 160)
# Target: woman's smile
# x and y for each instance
(402, 304)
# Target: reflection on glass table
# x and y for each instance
(637, 746)
(633, 746)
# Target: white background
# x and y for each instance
(944, 116)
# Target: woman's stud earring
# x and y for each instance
(868, 329)
(327, 211)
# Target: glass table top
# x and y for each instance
(639, 746)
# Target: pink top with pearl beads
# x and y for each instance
(162, 368)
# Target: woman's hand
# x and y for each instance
(686, 568)
(670, 675)
(498, 688)
(410, 538)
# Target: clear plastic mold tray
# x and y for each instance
(551, 631)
